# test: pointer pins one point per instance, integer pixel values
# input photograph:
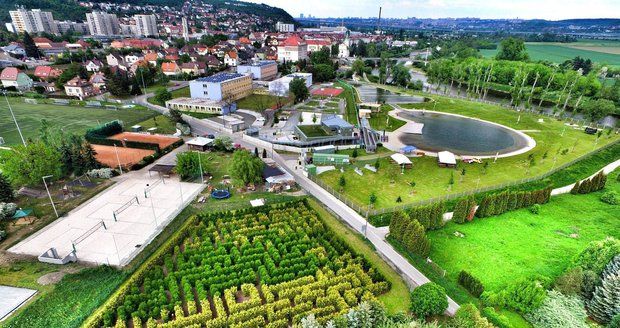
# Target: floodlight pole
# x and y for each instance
(14, 119)
(50, 195)
(118, 159)
(202, 177)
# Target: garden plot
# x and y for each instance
(115, 225)
(267, 266)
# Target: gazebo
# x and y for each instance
(402, 160)
(446, 159)
(408, 149)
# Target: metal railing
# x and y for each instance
(364, 210)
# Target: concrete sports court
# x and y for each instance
(12, 298)
(115, 225)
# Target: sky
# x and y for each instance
(527, 9)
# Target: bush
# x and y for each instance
(598, 253)
(103, 173)
(524, 296)
(615, 322)
(468, 316)
(471, 283)
(605, 303)
(428, 299)
(535, 209)
(559, 311)
(611, 198)
(499, 320)
(570, 283)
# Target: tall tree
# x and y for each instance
(31, 49)
(246, 168)
(299, 89)
(7, 194)
(512, 49)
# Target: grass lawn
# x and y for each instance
(178, 93)
(362, 152)
(519, 244)
(65, 304)
(259, 103)
(163, 124)
(351, 97)
(382, 121)
(602, 53)
(313, 131)
(432, 181)
(397, 299)
(71, 118)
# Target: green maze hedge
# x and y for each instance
(259, 267)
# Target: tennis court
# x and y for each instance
(113, 227)
(162, 141)
(107, 155)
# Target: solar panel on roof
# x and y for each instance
(220, 77)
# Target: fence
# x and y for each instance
(86, 234)
(125, 206)
(365, 211)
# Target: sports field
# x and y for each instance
(607, 52)
(69, 118)
(107, 155)
(162, 141)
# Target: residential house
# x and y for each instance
(196, 68)
(15, 49)
(317, 44)
(93, 65)
(292, 49)
(152, 58)
(98, 81)
(42, 42)
(170, 68)
(45, 73)
(231, 59)
(130, 59)
(212, 61)
(13, 77)
(78, 87)
(115, 60)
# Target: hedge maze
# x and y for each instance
(261, 267)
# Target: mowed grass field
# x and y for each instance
(521, 245)
(432, 181)
(599, 52)
(69, 118)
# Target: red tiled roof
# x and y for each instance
(42, 71)
(293, 40)
(9, 73)
(169, 67)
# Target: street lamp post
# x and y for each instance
(50, 195)
(118, 159)
(202, 177)
(14, 119)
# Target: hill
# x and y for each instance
(71, 10)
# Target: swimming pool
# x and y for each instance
(461, 135)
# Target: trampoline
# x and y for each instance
(220, 194)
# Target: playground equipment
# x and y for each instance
(220, 194)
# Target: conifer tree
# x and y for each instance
(7, 194)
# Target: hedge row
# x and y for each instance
(503, 202)
(104, 130)
(471, 283)
(590, 185)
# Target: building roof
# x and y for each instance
(220, 77)
(9, 74)
(261, 63)
(232, 54)
(42, 71)
(77, 82)
(199, 65)
(97, 78)
(271, 171)
(293, 40)
(446, 157)
(400, 159)
(151, 56)
(200, 141)
(335, 120)
(169, 67)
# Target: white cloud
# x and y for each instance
(545, 9)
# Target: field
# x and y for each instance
(599, 52)
(431, 181)
(107, 155)
(71, 118)
(274, 264)
(382, 121)
(178, 93)
(259, 103)
(163, 124)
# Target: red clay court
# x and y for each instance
(106, 155)
(162, 141)
(327, 92)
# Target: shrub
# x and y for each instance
(570, 283)
(499, 320)
(559, 311)
(535, 209)
(611, 198)
(103, 173)
(605, 303)
(428, 299)
(468, 316)
(7, 194)
(588, 283)
(615, 322)
(471, 283)
(598, 253)
(523, 296)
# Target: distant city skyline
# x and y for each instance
(525, 9)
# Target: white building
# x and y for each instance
(69, 26)
(283, 27)
(281, 86)
(221, 86)
(102, 24)
(293, 49)
(343, 48)
(33, 21)
(146, 25)
(261, 70)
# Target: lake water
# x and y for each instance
(460, 135)
(372, 94)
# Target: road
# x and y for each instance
(375, 235)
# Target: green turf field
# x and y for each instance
(69, 118)
(599, 52)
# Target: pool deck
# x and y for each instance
(395, 144)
